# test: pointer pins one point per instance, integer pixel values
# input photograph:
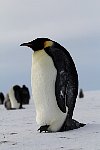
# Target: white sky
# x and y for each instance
(74, 24)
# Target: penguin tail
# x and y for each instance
(82, 124)
(71, 125)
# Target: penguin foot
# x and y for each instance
(13, 108)
(16, 108)
(21, 108)
(71, 124)
(43, 128)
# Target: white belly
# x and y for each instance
(14, 103)
(43, 90)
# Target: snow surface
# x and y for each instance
(18, 128)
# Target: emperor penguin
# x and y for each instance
(54, 82)
(13, 98)
(1, 98)
(25, 95)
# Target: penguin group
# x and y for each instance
(16, 97)
(54, 81)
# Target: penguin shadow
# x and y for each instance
(16, 97)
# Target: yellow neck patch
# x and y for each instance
(48, 44)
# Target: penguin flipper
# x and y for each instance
(60, 90)
(66, 85)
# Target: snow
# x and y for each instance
(18, 128)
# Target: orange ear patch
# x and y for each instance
(48, 44)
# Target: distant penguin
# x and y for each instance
(7, 103)
(13, 99)
(25, 95)
(54, 82)
(1, 98)
(81, 94)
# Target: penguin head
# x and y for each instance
(39, 44)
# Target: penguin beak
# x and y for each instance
(29, 44)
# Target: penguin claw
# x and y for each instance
(43, 128)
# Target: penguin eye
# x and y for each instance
(38, 46)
